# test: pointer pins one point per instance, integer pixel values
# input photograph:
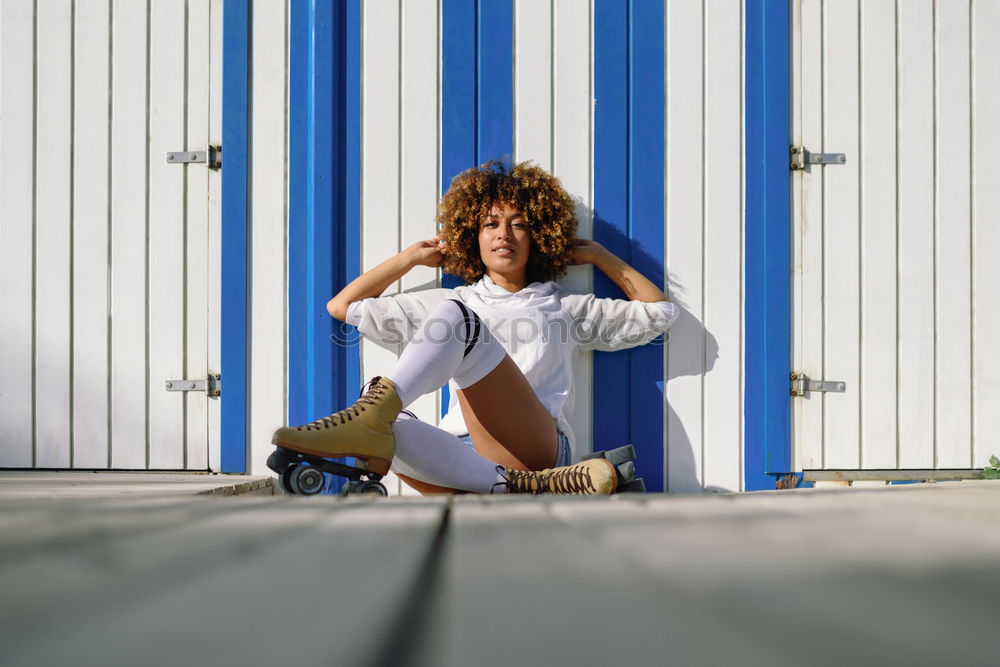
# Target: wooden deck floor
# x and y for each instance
(907, 575)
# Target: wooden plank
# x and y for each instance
(916, 234)
(53, 225)
(214, 228)
(91, 116)
(533, 82)
(128, 237)
(380, 185)
(723, 251)
(985, 232)
(877, 158)
(841, 233)
(890, 475)
(166, 234)
(809, 346)
(196, 252)
(118, 614)
(419, 186)
(685, 193)
(16, 233)
(268, 320)
(572, 163)
(952, 234)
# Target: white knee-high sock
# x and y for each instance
(452, 343)
(431, 455)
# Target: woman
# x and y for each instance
(505, 342)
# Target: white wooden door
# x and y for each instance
(894, 250)
(109, 253)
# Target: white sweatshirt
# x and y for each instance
(542, 327)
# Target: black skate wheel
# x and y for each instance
(278, 461)
(285, 479)
(626, 472)
(372, 488)
(306, 480)
(351, 488)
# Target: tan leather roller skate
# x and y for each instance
(591, 477)
(362, 431)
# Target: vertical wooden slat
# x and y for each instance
(808, 299)
(417, 152)
(90, 234)
(128, 236)
(684, 235)
(16, 210)
(572, 163)
(166, 234)
(267, 323)
(53, 329)
(381, 150)
(953, 326)
(841, 233)
(722, 246)
(877, 157)
(916, 234)
(533, 118)
(985, 230)
(214, 277)
(196, 252)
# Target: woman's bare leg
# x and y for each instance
(507, 422)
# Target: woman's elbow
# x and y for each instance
(337, 309)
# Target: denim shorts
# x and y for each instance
(564, 454)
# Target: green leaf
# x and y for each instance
(995, 462)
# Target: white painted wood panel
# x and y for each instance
(53, 229)
(382, 158)
(915, 53)
(685, 214)
(808, 234)
(16, 232)
(214, 229)
(165, 297)
(723, 245)
(840, 231)
(533, 82)
(952, 236)
(878, 234)
(985, 231)
(128, 237)
(418, 157)
(268, 306)
(90, 234)
(893, 306)
(104, 306)
(197, 251)
(572, 124)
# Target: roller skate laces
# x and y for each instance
(370, 395)
(591, 477)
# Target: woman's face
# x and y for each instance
(505, 244)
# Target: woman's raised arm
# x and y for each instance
(375, 280)
(636, 286)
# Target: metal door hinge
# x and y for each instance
(802, 385)
(212, 385)
(802, 158)
(213, 157)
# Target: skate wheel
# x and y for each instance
(351, 488)
(285, 479)
(637, 485)
(374, 488)
(278, 461)
(305, 480)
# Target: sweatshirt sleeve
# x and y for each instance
(392, 321)
(616, 324)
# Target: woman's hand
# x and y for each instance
(586, 251)
(427, 253)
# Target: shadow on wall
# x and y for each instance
(692, 351)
